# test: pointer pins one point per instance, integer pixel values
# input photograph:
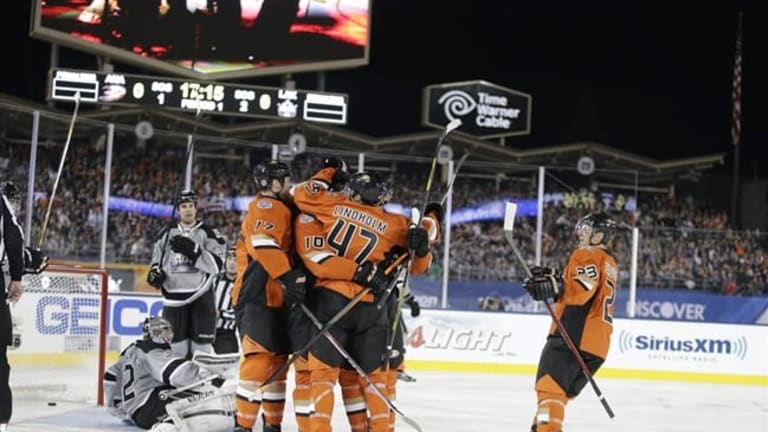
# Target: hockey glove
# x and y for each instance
(370, 275)
(185, 246)
(341, 176)
(35, 261)
(294, 282)
(414, 305)
(156, 276)
(544, 283)
(418, 241)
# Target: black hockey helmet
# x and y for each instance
(10, 190)
(230, 252)
(157, 329)
(187, 196)
(600, 223)
(264, 172)
(370, 189)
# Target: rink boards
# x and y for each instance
(61, 330)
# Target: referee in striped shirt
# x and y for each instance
(226, 339)
(21, 260)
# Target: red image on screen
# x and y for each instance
(213, 38)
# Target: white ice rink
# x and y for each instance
(452, 402)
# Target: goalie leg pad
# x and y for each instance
(224, 365)
(207, 409)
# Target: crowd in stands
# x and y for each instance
(683, 244)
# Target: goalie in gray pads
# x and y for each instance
(143, 386)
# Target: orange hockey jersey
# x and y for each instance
(587, 304)
(266, 236)
(336, 234)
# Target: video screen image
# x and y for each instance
(217, 38)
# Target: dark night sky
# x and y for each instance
(654, 80)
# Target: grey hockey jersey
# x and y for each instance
(141, 368)
(186, 281)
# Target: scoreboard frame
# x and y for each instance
(226, 99)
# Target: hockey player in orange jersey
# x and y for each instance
(345, 252)
(267, 286)
(585, 295)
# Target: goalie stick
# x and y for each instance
(509, 221)
(359, 369)
(171, 393)
(47, 218)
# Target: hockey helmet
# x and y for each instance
(10, 190)
(187, 196)
(369, 188)
(599, 223)
(157, 329)
(264, 172)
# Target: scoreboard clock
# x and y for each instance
(190, 95)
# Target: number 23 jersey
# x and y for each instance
(587, 305)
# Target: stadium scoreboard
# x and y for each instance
(113, 88)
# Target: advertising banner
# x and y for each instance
(62, 322)
(486, 110)
(662, 304)
(511, 342)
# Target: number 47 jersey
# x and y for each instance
(335, 234)
(587, 304)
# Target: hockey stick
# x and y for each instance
(47, 218)
(190, 146)
(359, 369)
(385, 295)
(453, 177)
(509, 221)
(170, 393)
(331, 322)
(450, 127)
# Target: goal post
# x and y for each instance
(60, 324)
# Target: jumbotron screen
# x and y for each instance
(212, 39)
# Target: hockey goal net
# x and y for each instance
(61, 335)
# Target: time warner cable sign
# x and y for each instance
(486, 110)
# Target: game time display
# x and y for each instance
(190, 95)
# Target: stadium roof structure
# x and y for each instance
(215, 134)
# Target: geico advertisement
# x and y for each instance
(475, 337)
(689, 347)
(50, 322)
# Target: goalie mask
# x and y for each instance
(595, 223)
(369, 189)
(158, 330)
(264, 173)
